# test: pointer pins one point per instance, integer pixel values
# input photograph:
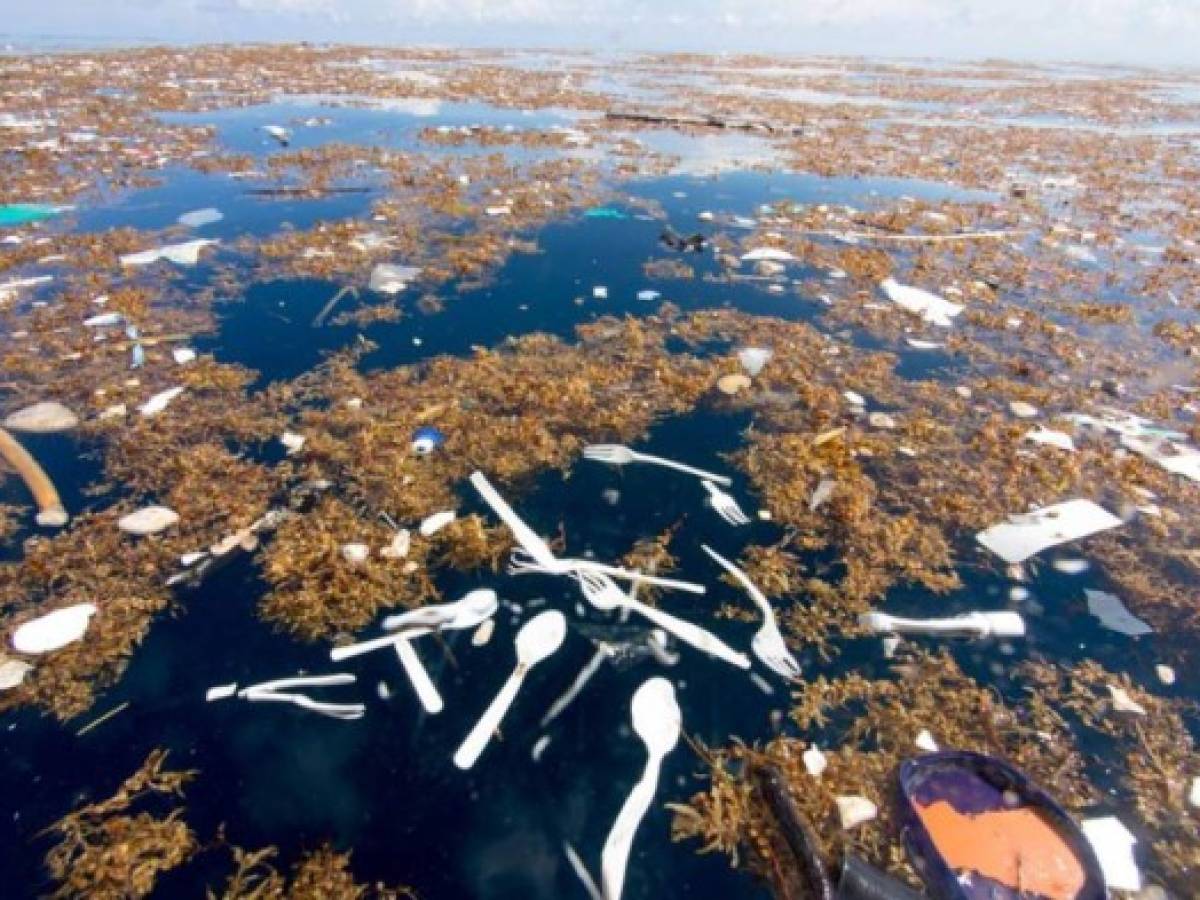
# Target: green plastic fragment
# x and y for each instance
(24, 213)
(604, 212)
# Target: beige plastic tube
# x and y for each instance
(51, 513)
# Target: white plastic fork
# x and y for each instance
(522, 563)
(724, 505)
(768, 643)
(620, 455)
(269, 691)
(974, 624)
(604, 594)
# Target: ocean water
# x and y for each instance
(385, 785)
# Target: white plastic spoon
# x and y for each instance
(537, 639)
(657, 720)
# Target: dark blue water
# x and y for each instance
(385, 786)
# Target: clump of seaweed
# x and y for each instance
(104, 850)
(322, 874)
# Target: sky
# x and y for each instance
(1149, 32)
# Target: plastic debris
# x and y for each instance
(881, 420)
(184, 254)
(657, 721)
(1165, 674)
(46, 417)
(754, 359)
(12, 673)
(538, 638)
(1113, 844)
(51, 512)
(1059, 439)
(1122, 702)
(198, 218)
(732, 385)
(220, 692)
(399, 547)
(604, 212)
(618, 455)
(1022, 410)
(24, 213)
(600, 292)
(815, 762)
(924, 741)
(1113, 615)
(148, 520)
(292, 442)
(159, 401)
(183, 355)
(974, 624)
(648, 296)
(389, 279)
(426, 440)
(281, 134)
(929, 306)
(273, 692)
(1194, 793)
(1026, 534)
(483, 634)
(771, 254)
(821, 494)
(54, 630)
(854, 810)
(104, 320)
(436, 522)
(355, 553)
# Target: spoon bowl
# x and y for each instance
(540, 637)
(656, 716)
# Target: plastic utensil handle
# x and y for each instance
(526, 536)
(972, 623)
(413, 668)
(334, 680)
(615, 858)
(334, 710)
(691, 634)
(629, 575)
(337, 654)
(680, 467)
(477, 740)
(755, 594)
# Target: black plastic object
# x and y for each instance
(862, 881)
(694, 243)
(974, 784)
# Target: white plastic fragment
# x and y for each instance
(1122, 702)
(220, 692)
(184, 254)
(1176, 458)
(435, 523)
(1071, 566)
(753, 359)
(12, 673)
(198, 218)
(1026, 534)
(648, 296)
(855, 810)
(54, 630)
(1052, 438)
(187, 560)
(881, 420)
(159, 401)
(183, 355)
(539, 747)
(148, 520)
(1165, 674)
(821, 494)
(483, 633)
(919, 344)
(1194, 793)
(46, 417)
(929, 306)
(389, 279)
(1022, 410)
(291, 441)
(355, 553)
(814, 761)
(1114, 850)
(399, 547)
(104, 320)
(773, 254)
(925, 741)
(1113, 615)
(854, 398)
(600, 292)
